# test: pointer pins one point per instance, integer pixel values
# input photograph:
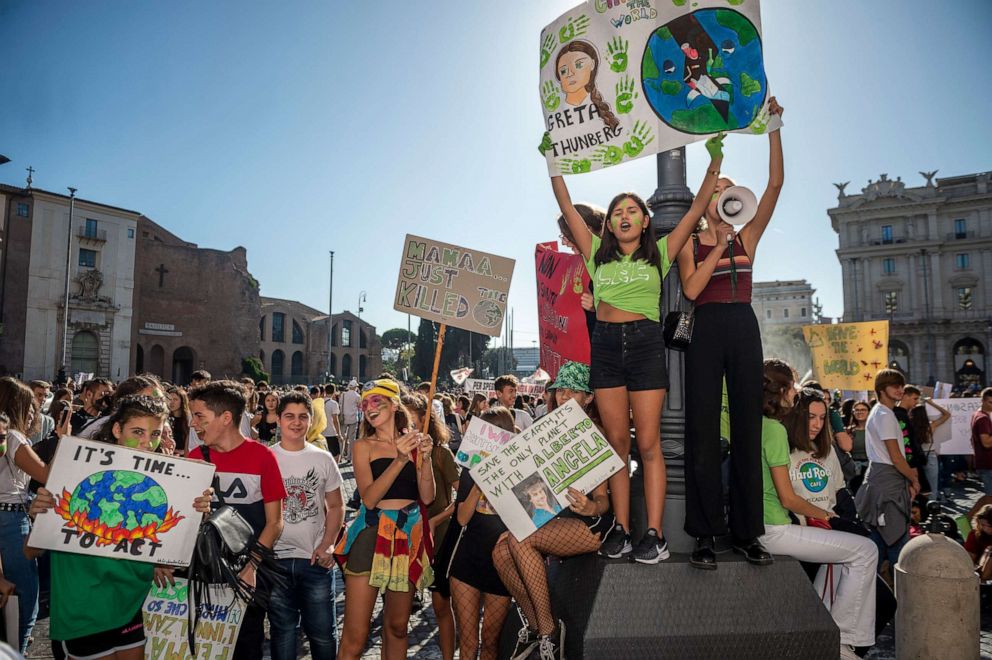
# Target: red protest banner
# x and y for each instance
(561, 279)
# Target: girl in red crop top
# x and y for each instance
(726, 347)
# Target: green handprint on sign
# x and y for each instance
(547, 46)
(549, 95)
(546, 143)
(610, 155)
(617, 50)
(625, 95)
(575, 27)
(574, 165)
(640, 137)
(760, 122)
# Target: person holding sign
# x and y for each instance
(578, 530)
(97, 601)
(726, 345)
(385, 547)
(629, 372)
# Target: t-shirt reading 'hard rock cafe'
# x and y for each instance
(307, 475)
(816, 480)
(248, 478)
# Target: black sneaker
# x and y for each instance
(548, 648)
(616, 544)
(527, 639)
(651, 549)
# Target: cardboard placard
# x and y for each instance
(621, 80)
(527, 479)
(166, 617)
(561, 280)
(453, 285)
(479, 441)
(846, 356)
(487, 386)
(111, 501)
(953, 437)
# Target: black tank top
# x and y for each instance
(404, 487)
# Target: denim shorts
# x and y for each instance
(630, 355)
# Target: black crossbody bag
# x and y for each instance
(678, 324)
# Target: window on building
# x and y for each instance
(886, 233)
(768, 313)
(964, 297)
(278, 327)
(89, 229)
(891, 301)
(87, 258)
(889, 266)
(960, 228)
(130, 232)
(802, 312)
(334, 335)
(346, 334)
(297, 333)
(962, 261)
(261, 328)
(22, 209)
(785, 313)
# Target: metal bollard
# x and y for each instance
(937, 591)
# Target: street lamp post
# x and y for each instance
(668, 204)
(64, 371)
(330, 318)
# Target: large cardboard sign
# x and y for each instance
(166, 617)
(953, 437)
(846, 356)
(624, 79)
(111, 501)
(457, 286)
(527, 479)
(561, 281)
(479, 441)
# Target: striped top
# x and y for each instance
(731, 280)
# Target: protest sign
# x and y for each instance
(561, 281)
(166, 617)
(487, 386)
(453, 285)
(479, 441)
(621, 80)
(846, 356)
(953, 437)
(526, 480)
(111, 501)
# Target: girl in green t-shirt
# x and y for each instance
(97, 601)
(629, 370)
(848, 591)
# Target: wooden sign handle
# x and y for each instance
(430, 394)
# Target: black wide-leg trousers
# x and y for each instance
(726, 343)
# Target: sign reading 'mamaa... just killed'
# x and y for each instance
(453, 285)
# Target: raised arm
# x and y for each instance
(752, 231)
(944, 414)
(583, 239)
(695, 279)
(683, 230)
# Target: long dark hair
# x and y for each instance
(602, 107)
(436, 428)
(919, 424)
(778, 377)
(401, 421)
(796, 422)
(17, 401)
(609, 249)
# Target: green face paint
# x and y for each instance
(155, 443)
(715, 196)
(616, 222)
(132, 443)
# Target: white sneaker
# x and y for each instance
(847, 652)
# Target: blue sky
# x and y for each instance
(295, 128)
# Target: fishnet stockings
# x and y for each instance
(471, 605)
(521, 566)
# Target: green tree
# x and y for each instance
(397, 338)
(455, 352)
(253, 368)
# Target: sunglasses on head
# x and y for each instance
(810, 394)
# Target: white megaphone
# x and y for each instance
(737, 205)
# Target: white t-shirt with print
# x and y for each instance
(14, 480)
(882, 425)
(307, 475)
(816, 480)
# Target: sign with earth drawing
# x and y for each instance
(458, 286)
(623, 79)
(111, 501)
